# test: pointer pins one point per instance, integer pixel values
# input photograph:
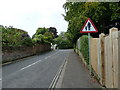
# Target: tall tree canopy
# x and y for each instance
(44, 35)
(103, 14)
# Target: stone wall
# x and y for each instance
(12, 54)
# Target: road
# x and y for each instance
(33, 72)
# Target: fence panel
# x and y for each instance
(119, 59)
(111, 59)
(104, 58)
(94, 53)
(108, 63)
(115, 58)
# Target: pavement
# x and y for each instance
(76, 75)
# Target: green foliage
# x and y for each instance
(48, 39)
(62, 41)
(27, 42)
(65, 44)
(13, 37)
(101, 13)
(42, 35)
(38, 39)
(53, 30)
(84, 48)
(57, 40)
(41, 30)
(49, 34)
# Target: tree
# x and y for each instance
(53, 30)
(40, 31)
(101, 13)
(38, 39)
(62, 41)
(44, 35)
(13, 37)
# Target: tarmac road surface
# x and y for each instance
(33, 72)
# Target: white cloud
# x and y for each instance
(31, 14)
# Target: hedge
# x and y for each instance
(84, 48)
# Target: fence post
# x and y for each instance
(102, 61)
(79, 46)
(115, 58)
(119, 59)
(89, 53)
(112, 39)
(99, 62)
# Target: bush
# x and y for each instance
(13, 37)
(42, 35)
(65, 44)
(48, 39)
(38, 39)
(84, 48)
(27, 42)
(62, 43)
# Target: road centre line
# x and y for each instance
(47, 57)
(51, 56)
(36, 62)
(30, 65)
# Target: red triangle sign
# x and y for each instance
(89, 27)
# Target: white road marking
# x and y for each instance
(0, 79)
(51, 55)
(36, 62)
(30, 65)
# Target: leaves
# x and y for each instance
(43, 35)
(101, 13)
(14, 37)
(84, 48)
(63, 41)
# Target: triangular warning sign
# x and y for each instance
(89, 27)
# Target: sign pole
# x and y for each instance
(89, 52)
(89, 27)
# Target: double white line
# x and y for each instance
(55, 80)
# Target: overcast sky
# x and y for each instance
(31, 14)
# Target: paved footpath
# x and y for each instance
(76, 74)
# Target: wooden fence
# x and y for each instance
(105, 57)
(111, 58)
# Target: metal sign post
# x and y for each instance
(89, 52)
(89, 27)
